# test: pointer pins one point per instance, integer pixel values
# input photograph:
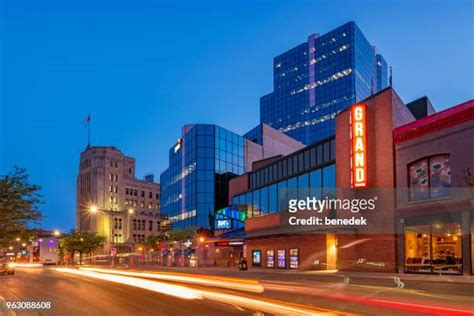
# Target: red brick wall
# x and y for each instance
(385, 111)
(311, 248)
(238, 185)
(263, 222)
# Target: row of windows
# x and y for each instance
(134, 192)
(274, 198)
(113, 177)
(309, 158)
(138, 238)
(113, 164)
(138, 224)
(142, 204)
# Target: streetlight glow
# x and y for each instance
(131, 211)
(56, 233)
(201, 239)
(93, 209)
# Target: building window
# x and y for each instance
(150, 225)
(143, 193)
(150, 195)
(270, 258)
(256, 258)
(429, 178)
(134, 225)
(294, 258)
(435, 248)
(281, 259)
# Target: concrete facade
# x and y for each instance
(128, 209)
(274, 143)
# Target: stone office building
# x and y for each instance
(113, 203)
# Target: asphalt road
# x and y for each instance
(74, 295)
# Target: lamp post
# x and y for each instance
(200, 249)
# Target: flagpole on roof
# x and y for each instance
(89, 130)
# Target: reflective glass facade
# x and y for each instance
(310, 171)
(382, 71)
(200, 166)
(315, 80)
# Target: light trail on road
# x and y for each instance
(168, 289)
(261, 304)
(230, 283)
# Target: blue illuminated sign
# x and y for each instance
(223, 224)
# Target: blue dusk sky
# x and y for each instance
(145, 68)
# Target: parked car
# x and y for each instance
(7, 266)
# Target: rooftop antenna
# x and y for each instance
(88, 122)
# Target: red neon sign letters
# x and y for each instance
(358, 146)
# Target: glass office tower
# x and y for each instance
(196, 182)
(315, 80)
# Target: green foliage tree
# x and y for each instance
(81, 242)
(19, 202)
(152, 241)
(181, 234)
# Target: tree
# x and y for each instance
(181, 234)
(152, 241)
(81, 242)
(19, 202)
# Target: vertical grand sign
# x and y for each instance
(358, 146)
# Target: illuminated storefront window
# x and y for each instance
(294, 259)
(281, 258)
(256, 258)
(435, 248)
(270, 258)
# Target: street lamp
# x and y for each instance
(131, 211)
(17, 238)
(93, 209)
(56, 233)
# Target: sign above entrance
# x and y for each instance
(358, 137)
